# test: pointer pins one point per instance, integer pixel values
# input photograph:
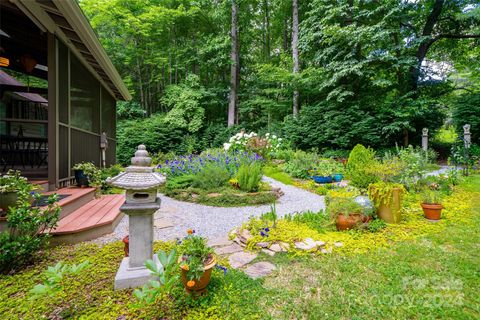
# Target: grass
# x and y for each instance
(432, 275)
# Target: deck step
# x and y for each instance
(96, 218)
(77, 198)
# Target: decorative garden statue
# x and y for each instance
(467, 138)
(425, 139)
(141, 183)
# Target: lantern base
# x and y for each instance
(133, 277)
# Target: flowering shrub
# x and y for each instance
(265, 146)
(193, 164)
(13, 182)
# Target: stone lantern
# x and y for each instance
(141, 183)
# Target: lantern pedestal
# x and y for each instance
(132, 272)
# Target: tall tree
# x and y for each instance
(234, 68)
(296, 67)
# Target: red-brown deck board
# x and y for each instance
(94, 214)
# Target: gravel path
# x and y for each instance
(175, 217)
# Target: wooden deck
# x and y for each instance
(97, 218)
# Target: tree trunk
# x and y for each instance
(267, 29)
(234, 67)
(295, 53)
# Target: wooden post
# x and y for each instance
(52, 55)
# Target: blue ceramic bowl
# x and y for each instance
(338, 177)
(321, 179)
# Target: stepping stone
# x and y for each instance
(269, 252)
(219, 242)
(239, 259)
(276, 247)
(229, 249)
(163, 223)
(259, 269)
(262, 244)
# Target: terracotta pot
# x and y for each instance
(348, 222)
(200, 284)
(432, 211)
(391, 213)
(127, 246)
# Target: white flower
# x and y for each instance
(274, 137)
(267, 134)
(279, 139)
(226, 146)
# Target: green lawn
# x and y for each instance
(432, 276)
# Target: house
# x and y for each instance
(58, 91)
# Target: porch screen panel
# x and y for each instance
(63, 164)
(62, 83)
(85, 147)
(108, 114)
(84, 98)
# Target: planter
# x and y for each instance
(200, 284)
(349, 222)
(81, 178)
(8, 199)
(432, 211)
(322, 179)
(126, 247)
(337, 177)
(391, 213)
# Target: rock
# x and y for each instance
(229, 249)
(163, 223)
(308, 245)
(259, 269)
(269, 252)
(285, 246)
(244, 235)
(213, 195)
(239, 259)
(310, 241)
(276, 247)
(262, 244)
(194, 196)
(323, 250)
(320, 243)
(237, 240)
(338, 244)
(219, 242)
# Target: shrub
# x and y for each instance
(299, 165)
(249, 177)
(109, 172)
(211, 177)
(179, 182)
(359, 160)
(194, 252)
(26, 233)
(91, 171)
(14, 182)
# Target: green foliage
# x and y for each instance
(14, 182)
(359, 160)
(326, 168)
(183, 102)
(166, 277)
(249, 177)
(128, 110)
(376, 225)
(179, 182)
(194, 253)
(27, 231)
(343, 206)
(301, 163)
(56, 277)
(93, 174)
(106, 173)
(431, 196)
(466, 110)
(318, 221)
(211, 177)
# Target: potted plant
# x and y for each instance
(347, 213)
(196, 262)
(86, 174)
(10, 185)
(431, 204)
(386, 194)
(323, 171)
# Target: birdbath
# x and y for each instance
(141, 183)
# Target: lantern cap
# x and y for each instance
(139, 175)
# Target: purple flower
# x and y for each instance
(267, 229)
(262, 233)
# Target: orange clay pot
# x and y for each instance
(432, 211)
(200, 284)
(349, 222)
